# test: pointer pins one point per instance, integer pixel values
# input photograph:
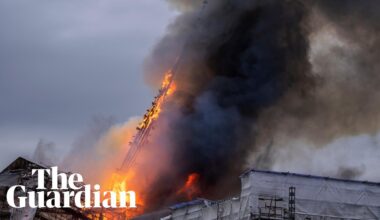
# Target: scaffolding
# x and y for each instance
(270, 208)
(292, 203)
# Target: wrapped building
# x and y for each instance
(280, 195)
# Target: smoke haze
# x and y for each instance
(45, 153)
(260, 78)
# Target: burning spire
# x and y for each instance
(152, 114)
(150, 117)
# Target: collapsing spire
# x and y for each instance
(150, 118)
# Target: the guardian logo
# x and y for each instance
(65, 191)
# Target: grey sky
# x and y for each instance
(63, 62)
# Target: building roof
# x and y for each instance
(11, 175)
(22, 163)
(309, 176)
(198, 201)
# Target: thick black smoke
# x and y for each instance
(346, 47)
(239, 57)
(255, 75)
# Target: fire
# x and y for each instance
(130, 179)
(191, 187)
(119, 183)
(167, 79)
(122, 182)
(167, 88)
(171, 89)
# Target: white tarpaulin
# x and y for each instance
(315, 198)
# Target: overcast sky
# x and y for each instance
(63, 62)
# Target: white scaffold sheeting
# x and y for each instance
(226, 210)
(315, 196)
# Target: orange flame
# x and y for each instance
(171, 89)
(168, 87)
(119, 184)
(191, 187)
(122, 181)
(167, 78)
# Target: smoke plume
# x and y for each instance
(97, 152)
(283, 85)
(258, 77)
(45, 153)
